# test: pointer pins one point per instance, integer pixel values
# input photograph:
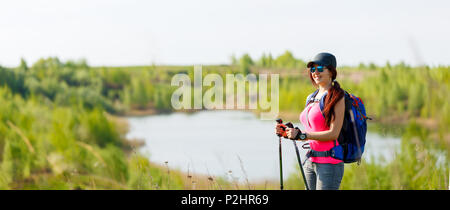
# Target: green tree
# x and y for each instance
(245, 63)
(287, 60)
(23, 65)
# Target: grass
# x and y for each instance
(59, 127)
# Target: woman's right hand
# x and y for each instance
(280, 130)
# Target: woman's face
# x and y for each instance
(321, 78)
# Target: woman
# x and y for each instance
(322, 128)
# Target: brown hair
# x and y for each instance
(335, 93)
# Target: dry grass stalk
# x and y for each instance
(245, 173)
(24, 138)
(92, 150)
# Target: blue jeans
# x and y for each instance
(323, 176)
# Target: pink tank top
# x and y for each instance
(313, 121)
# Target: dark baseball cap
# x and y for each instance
(323, 59)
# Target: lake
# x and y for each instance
(216, 142)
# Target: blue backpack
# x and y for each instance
(352, 137)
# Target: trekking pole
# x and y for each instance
(289, 125)
(279, 121)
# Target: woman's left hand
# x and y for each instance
(292, 133)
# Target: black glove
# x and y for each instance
(297, 137)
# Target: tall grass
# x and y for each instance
(418, 165)
(56, 131)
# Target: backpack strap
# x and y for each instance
(310, 97)
(322, 102)
(314, 153)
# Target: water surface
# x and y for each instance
(216, 142)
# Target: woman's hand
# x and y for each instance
(291, 133)
(280, 130)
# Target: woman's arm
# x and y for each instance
(335, 125)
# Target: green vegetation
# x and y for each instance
(418, 166)
(60, 125)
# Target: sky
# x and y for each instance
(180, 32)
